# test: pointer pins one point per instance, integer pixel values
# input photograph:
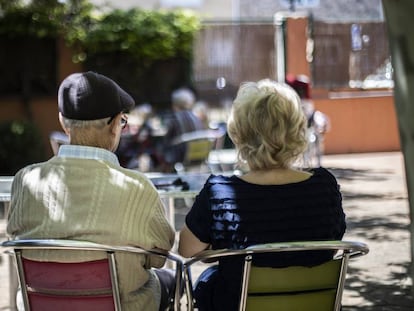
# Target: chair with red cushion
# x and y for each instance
(91, 285)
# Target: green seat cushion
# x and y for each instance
(294, 279)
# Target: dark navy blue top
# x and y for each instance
(232, 213)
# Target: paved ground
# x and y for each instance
(375, 201)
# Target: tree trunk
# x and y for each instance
(400, 23)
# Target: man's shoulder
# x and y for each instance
(33, 166)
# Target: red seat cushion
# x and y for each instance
(69, 286)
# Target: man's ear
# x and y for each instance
(113, 126)
(62, 124)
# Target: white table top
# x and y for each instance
(169, 185)
(5, 197)
(5, 188)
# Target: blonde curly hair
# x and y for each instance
(267, 125)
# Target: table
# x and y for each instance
(5, 189)
(164, 183)
(173, 186)
(170, 187)
(5, 196)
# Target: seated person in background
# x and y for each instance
(182, 120)
(136, 140)
(200, 109)
(272, 202)
(84, 194)
(316, 118)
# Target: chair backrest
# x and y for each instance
(197, 151)
(198, 145)
(91, 285)
(293, 288)
(70, 286)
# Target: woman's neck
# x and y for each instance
(275, 176)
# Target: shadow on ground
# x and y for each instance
(349, 174)
(391, 295)
(375, 291)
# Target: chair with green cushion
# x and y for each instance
(198, 145)
(293, 288)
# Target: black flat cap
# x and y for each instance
(92, 96)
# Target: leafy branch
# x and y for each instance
(146, 36)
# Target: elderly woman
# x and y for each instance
(272, 202)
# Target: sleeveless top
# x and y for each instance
(232, 213)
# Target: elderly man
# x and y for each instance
(83, 193)
(182, 120)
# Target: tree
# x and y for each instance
(400, 23)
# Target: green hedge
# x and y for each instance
(130, 46)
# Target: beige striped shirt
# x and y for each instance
(82, 198)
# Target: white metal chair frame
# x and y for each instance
(17, 246)
(347, 250)
(211, 135)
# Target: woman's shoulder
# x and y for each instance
(322, 171)
(322, 174)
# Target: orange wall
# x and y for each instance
(296, 61)
(360, 124)
(361, 121)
